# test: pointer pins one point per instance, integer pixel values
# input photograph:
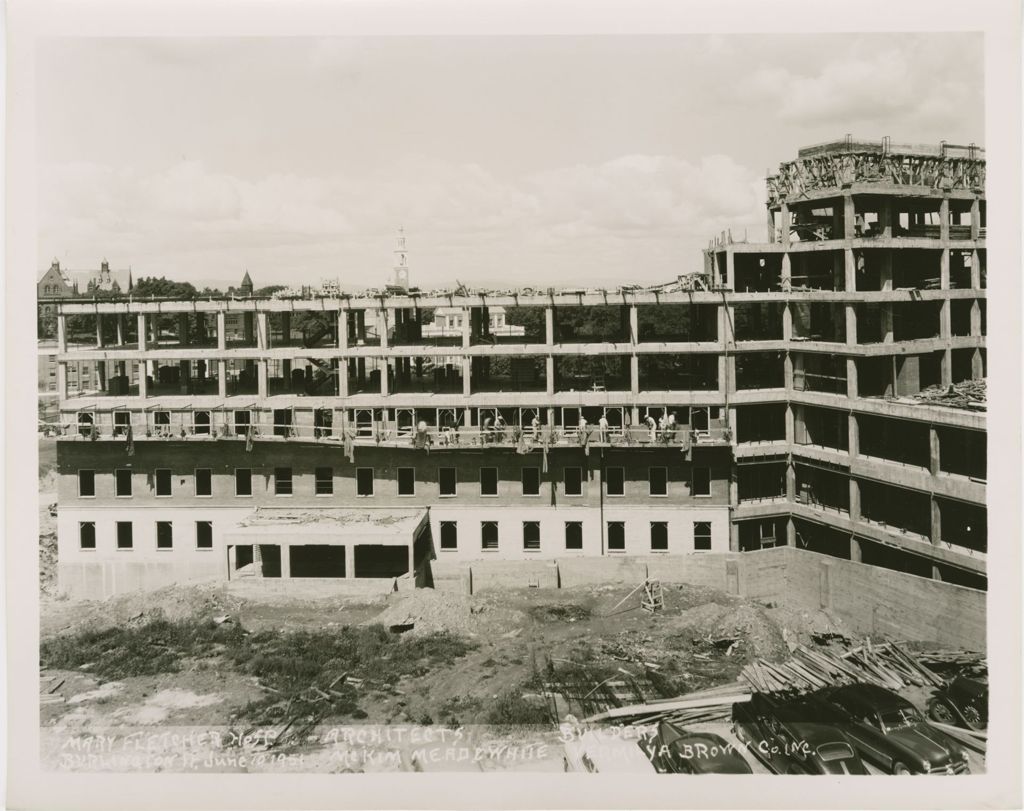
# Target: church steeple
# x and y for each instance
(401, 268)
(246, 287)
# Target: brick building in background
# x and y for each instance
(777, 398)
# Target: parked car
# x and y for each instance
(593, 751)
(962, 702)
(790, 736)
(890, 732)
(678, 751)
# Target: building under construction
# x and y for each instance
(813, 391)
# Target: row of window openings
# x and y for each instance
(572, 479)
(616, 535)
(124, 534)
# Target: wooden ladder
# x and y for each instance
(653, 599)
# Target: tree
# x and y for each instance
(162, 287)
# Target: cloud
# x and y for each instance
(605, 215)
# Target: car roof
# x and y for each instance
(872, 695)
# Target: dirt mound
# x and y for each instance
(560, 612)
(717, 625)
(428, 610)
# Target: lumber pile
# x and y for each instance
(712, 704)
(887, 665)
(968, 394)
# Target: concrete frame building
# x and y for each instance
(770, 400)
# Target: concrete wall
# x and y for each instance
(869, 600)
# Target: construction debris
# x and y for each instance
(968, 394)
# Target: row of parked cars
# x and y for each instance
(835, 730)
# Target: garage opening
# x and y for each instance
(317, 560)
(373, 560)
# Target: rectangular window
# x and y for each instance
(702, 536)
(86, 483)
(243, 481)
(364, 481)
(449, 535)
(446, 481)
(573, 478)
(325, 481)
(659, 536)
(657, 478)
(489, 535)
(701, 482)
(406, 481)
(204, 482)
(124, 534)
(282, 481)
(204, 535)
(123, 482)
(615, 481)
(164, 535)
(162, 423)
(122, 419)
(573, 534)
(87, 535)
(163, 482)
(488, 481)
(242, 422)
(616, 536)
(531, 535)
(531, 481)
(201, 422)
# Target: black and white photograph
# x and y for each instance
(418, 397)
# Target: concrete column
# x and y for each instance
(936, 532)
(885, 216)
(936, 573)
(383, 319)
(790, 424)
(854, 499)
(885, 270)
(263, 341)
(350, 561)
(634, 324)
(977, 365)
(790, 532)
(222, 377)
(947, 367)
(851, 377)
(853, 436)
(343, 378)
(855, 551)
(944, 220)
(412, 558)
(634, 374)
(261, 379)
(143, 382)
(975, 219)
(787, 371)
(467, 377)
(549, 325)
(790, 482)
(849, 271)
(62, 333)
(944, 269)
(549, 372)
(120, 329)
(222, 330)
(467, 418)
(885, 315)
(382, 364)
(342, 329)
(945, 319)
(725, 321)
(787, 273)
(467, 330)
(848, 218)
(286, 561)
(730, 267)
(784, 224)
(787, 323)
(851, 324)
(975, 318)
(933, 455)
(62, 381)
(734, 529)
(99, 330)
(183, 337)
(142, 331)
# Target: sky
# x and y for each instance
(508, 161)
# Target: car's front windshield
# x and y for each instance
(900, 718)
